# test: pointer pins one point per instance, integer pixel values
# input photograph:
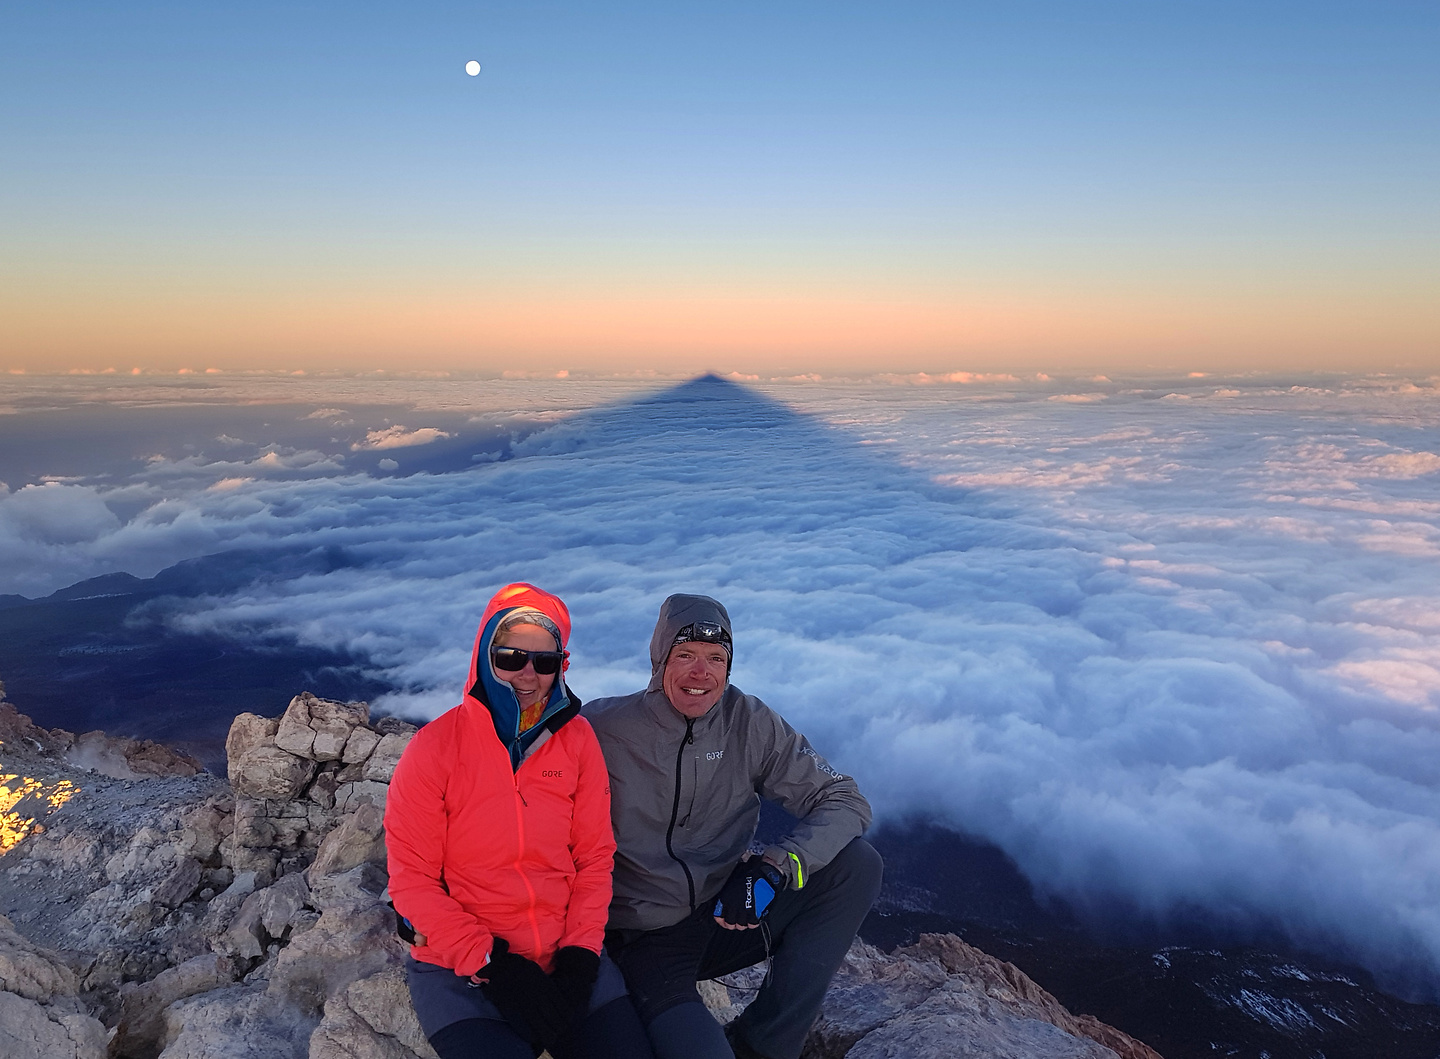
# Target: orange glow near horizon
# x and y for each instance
(749, 330)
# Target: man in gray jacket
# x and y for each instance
(690, 758)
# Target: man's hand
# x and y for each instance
(746, 895)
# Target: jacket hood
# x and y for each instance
(677, 612)
(489, 691)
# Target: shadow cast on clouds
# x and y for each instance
(1150, 743)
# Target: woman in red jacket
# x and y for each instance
(497, 826)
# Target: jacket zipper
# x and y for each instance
(689, 740)
(520, 856)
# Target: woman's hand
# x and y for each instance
(576, 969)
(528, 998)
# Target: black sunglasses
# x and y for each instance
(513, 659)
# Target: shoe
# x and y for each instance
(738, 1045)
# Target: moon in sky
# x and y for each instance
(472, 68)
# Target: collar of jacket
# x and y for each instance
(556, 716)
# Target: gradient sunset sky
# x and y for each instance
(778, 188)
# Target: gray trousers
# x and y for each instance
(807, 933)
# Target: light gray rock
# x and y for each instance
(284, 900)
(263, 918)
(260, 862)
(223, 906)
(382, 761)
(78, 852)
(359, 839)
(934, 1032)
(147, 858)
(342, 1034)
(239, 1022)
(357, 889)
(141, 1028)
(322, 789)
(122, 758)
(28, 1030)
(270, 772)
(175, 889)
(343, 945)
(350, 796)
(294, 733)
(942, 997)
(383, 1001)
(247, 732)
(319, 728)
(253, 825)
(203, 831)
(30, 971)
(334, 722)
(358, 747)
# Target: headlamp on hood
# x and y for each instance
(706, 632)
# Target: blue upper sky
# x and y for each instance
(991, 183)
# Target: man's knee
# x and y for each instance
(839, 895)
(858, 869)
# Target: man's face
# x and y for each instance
(695, 676)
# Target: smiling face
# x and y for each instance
(530, 686)
(695, 676)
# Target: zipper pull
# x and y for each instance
(690, 731)
(520, 794)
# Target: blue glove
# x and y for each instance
(746, 895)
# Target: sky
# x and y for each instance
(1168, 642)
(775, 188)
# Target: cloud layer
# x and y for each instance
(1177, 657)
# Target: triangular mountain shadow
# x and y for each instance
(726, 428)
(86, 657)
(703, 404)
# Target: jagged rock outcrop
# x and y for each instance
(40, 1012)
(117, 757)
(183, 917)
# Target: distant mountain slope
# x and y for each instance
(99, 655)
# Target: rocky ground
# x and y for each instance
(151, 909)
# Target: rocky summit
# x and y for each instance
(153, 910)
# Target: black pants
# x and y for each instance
(807, 933)
(609, 1032)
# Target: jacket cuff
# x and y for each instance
(474, 960)
(789, 865)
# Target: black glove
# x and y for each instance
(525, 995)
(746, 895)
(576, 969)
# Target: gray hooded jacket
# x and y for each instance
(685, 794)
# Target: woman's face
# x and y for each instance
(529, 685)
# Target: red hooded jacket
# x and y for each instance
(481, 848)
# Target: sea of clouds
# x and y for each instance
(1171, 645)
